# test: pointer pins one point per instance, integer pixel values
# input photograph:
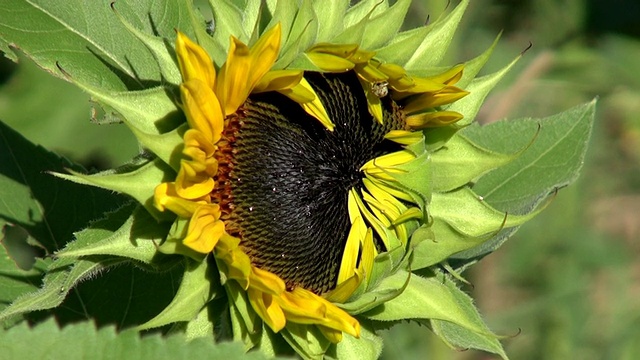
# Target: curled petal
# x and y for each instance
(205, 229)
(194, 62)
(191, 184)
(426, 101)
(329, 62)
(433, 119)
(450, 76)
(267, 282)
(268, 309)
(278, 80)
(304, 307)
(351, 255)
(166, 198)
(245, 67)
(404, 137)
(202, 108)
(315, 107)
(238, 264)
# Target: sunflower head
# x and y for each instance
(320, 178)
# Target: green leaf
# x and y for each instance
(306, 340)
(88, 40)
(353, 34)
(467, 213)
(162, 52)
(436, 43)
(139, 183)
(438, 242)
(150, 111)
(551, 162)
(462, 337)
(124, 234)
(126, 295)
(461, 161)
(305, 26)
(390, 287)
(48, 341)
(368, 346)
(363, 10)
(124, 288)
(424, 298)
(383, 27)
(246, 323)
(402, 47)
(459, 338)
(479, 88)
(15, 281)
(56, 286)
(434, 298)
(228, 21)
(415, 178)
(38, 201)
(330, 16)
(195, 291)
(284, 13)
(554, 160)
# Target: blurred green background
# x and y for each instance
(567, 285)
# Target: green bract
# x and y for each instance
(474, 184)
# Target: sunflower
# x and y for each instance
(319, 180)
(295, 207)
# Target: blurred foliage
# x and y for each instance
(566, 285)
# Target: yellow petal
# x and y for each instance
(191, 184)
(433, 119)
(361, 56)
(351, 252)
(335, 336)
(238, 264)
(305, 307)
(279, 80)
(409, 214)
(450, 76)
(368, 255)
(393, 71)
(398, 78)
(205, 229)
(404, 137)
(329, 62)
(386, 163)
(202, 109)
(165, 197)
(370, 73)
(426, 101)
(344, 290)
(267, 282)
(424, 85)
(344, 51)
(245, 67)
(194, 62)
(315, 107)
(371, 219)
(267, 309)
(299, 94)
(201, 152)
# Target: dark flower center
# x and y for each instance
(284, 178)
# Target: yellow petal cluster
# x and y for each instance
(420, 97)
(207, 100)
